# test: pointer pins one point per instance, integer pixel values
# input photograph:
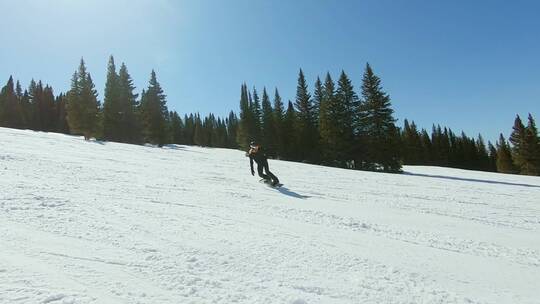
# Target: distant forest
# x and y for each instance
(331, 125)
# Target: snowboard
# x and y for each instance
(269, 184)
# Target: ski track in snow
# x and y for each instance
(93, 222)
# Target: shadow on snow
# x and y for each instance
(471, 180)
(288, 192)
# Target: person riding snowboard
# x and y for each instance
(257, 154)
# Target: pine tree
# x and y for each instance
(412, 150)
(455, 154)
(517, 138)
(288, 133)
(376, 124)
(37, 106)
(504, 157)
(112, 113)
(208, 128)
(232, 130)
(82, 104)
(531, 149)
(11, 110)
(426, 145)
(492, 167)
(198, 136)
(244, 133)
(445, 147)
(342, 111)
(154, 113)
(440, 146)
(318, 96)
(189, 131)
(256, 114)
(306, 130)
(176, 128)
(21, 118)
(327, 126)
(47, 109)
(471, 156)
(220, 133)
(61, 125)
(31, 110)
(3, 104)
(6, 91)
(279, 114)
(130, 119)
(268, 129)
(26, 108)
(483, 156)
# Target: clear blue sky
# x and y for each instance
(469, 65)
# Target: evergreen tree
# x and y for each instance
(8, 100)
(517, 138)
(3, 115)
(305, 124)
(176, 128)
(531, 149)
(47, 109)
(288, 133)
(11, 114)
(492, 157)
(208, 131)
(505, 163)
(36, 89)
(189, 131)
(82, 104)
(376, 122)
(483, 156)
(21, 117)
(112, 112)
(470, 152)
(130, 120)
(440, 146)
(18, 90)
(256, 114)
(31, 110)
(27, 111)
(342, 111)
(327, 125)
(268, 129)
(198, 136)
(232, 130)
(318, 96)
(244, 133)
(279, 114)
(220, 134)
(426, 145)
(154, 112)
(412, 150)
(61, 124)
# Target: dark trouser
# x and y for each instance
(268, 175)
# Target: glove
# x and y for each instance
(252, 172)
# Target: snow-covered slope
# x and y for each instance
(90, 222)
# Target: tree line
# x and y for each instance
(336, 127)
(444, 148)
(124, 116)
(332, 125)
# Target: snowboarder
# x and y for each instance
(257, 154)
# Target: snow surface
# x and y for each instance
(93, 222)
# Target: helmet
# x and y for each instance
(253, 144)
